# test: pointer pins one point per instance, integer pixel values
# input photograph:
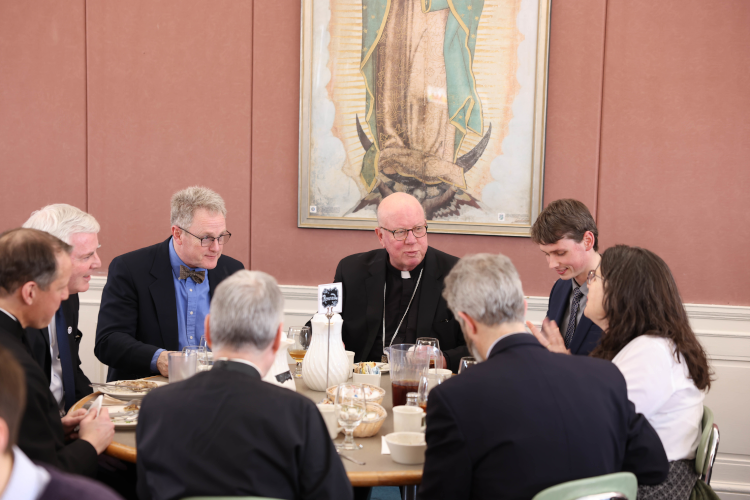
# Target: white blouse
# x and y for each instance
(662, 390)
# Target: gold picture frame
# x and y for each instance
(348, 160)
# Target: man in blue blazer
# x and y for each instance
(156, 298)
(525, 419)
(567, 235)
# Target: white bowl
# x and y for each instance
(407, 448)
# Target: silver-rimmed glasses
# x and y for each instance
(207, 241)
(401, 234)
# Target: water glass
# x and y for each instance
(209, 358)
(199, 351)
(427, 382)
(182, 365)
(436, 356)
(465, 363)
(350, 410)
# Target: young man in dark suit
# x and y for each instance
(392, 295)
(35, 269)
(20, 478)
(226, 432)
(55, 347)
(156, 298)
(567, 235)
(525, 418)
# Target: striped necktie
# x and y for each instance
(577, 294)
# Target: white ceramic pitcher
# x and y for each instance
(314, 364)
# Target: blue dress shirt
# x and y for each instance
(193, 303)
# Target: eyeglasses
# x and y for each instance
(207, 241)
(400, 234)
(592, 275)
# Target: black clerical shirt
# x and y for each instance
(398, 293)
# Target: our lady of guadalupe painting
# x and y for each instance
(442, 99)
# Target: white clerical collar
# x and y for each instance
(405, 275)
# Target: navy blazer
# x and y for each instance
(138, 313)
(587, 334)
(41, 436)
(527, 419)
(363, 279)
(39, 344)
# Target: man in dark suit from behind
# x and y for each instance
(568, 237)
(226, 432)
(35, 269)
(55, 347)
(525, 419)
(20, 478)
(156, 298)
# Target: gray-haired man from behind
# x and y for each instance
(56, 347)
(524, 418)
(156, 298)
(230, 433)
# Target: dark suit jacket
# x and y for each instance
(527, 419)
(587, 334)
(41, 435)
(363, 278)
(138, 312)
(227, 433)
(69, 487)
(39, 343)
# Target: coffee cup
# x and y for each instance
(408, 419)
(350, 356)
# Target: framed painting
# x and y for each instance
(443, 99)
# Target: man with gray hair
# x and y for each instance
(156, 298)
(55, 347)
(249, 437)
(525, 419)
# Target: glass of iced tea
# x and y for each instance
(407, 365)
(301, 337)
(427, 382)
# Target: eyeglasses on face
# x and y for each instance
(207, 241)
(401, 234)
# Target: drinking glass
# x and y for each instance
(350, 410)
(301, 338)
(200, 352)
(209, 357)
(427, 382)
(182, 365)
(436, 356)
(465, 363)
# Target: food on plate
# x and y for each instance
(136, 385)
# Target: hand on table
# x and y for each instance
(162, 364)
(99, 431)
(70, 422)
(549, 336)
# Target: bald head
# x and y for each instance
(397, 203)
(402, 211)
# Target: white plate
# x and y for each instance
(384, 367)
(125, 394)
(122, 423)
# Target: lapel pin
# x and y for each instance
(70, 330)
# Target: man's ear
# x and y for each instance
(28, 292)
(207, 332)
(381, 235)
(277, 341)
(469, 325)
(588, 240)
(177, 235)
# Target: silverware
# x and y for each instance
(108, 384)
(351, 459)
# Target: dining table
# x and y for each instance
(378, 469)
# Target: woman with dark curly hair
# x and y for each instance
(634, 299)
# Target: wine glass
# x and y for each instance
(208, 359)
(465, 363)
(436, 356)
(301, 337)
(427, 382)
(350, 410)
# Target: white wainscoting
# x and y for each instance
(723, 330)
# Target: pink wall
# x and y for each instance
(113, 106)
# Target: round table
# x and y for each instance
(379, 470)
